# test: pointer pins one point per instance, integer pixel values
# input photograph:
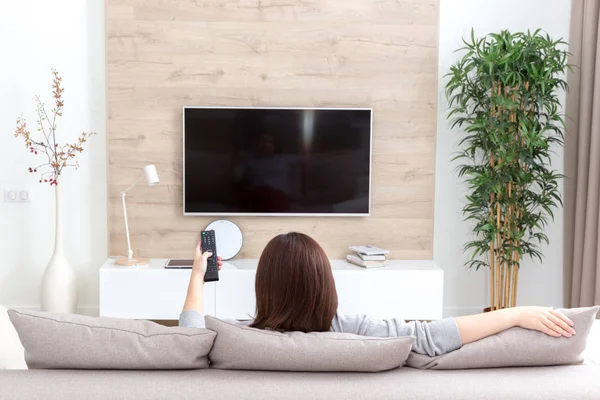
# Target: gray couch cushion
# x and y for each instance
(571, 382)
(517, 347)
(240, 347)
(82, 342)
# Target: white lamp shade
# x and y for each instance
(151, 175)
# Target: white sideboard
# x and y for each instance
(403, 289)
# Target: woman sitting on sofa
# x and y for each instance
(295, 291)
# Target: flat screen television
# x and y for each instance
(276, 161)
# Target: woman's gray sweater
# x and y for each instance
(432, 338)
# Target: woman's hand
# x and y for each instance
(200, 261)
(544, 319)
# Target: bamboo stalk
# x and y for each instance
(508, 219)
(493, 302)
(499, 266)
(506, 239)
(515, 285)
(515, 280)
(516, 256)
(512, 214)
(502, 284)
(507, 286)
(513, 273)
(499, 272)
(492, 107)
(493, 296)
(492, 277)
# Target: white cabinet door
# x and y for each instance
(390, 294)
(235, 296)
(148, 294)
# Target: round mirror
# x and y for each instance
(228, 237)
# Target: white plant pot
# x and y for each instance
(59, 284)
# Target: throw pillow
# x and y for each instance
(517, 347)
(80, 342)
(240, 347)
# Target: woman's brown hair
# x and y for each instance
(295, 290)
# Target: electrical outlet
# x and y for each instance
(17, 196)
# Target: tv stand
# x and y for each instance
(403, 289)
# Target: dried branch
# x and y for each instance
(59, 156)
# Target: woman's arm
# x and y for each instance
(543, 319)
(431, 338)
(193, 308)
(449, 334)
(194, 301)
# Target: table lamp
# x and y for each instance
(152, 179)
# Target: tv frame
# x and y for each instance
(227, 214)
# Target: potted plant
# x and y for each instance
(503, 94)
(58, 287)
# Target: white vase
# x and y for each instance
(59, 285)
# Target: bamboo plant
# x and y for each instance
(503, 94)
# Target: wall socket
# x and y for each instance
(17, 196)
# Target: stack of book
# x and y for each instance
(367, 256)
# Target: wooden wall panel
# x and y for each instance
(164, 54)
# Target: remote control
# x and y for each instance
(208, 243)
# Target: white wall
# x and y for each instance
(465, 290)
(36, 35)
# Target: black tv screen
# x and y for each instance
(275, 161)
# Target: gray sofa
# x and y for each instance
(573, 382)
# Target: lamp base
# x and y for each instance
(131, 262)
